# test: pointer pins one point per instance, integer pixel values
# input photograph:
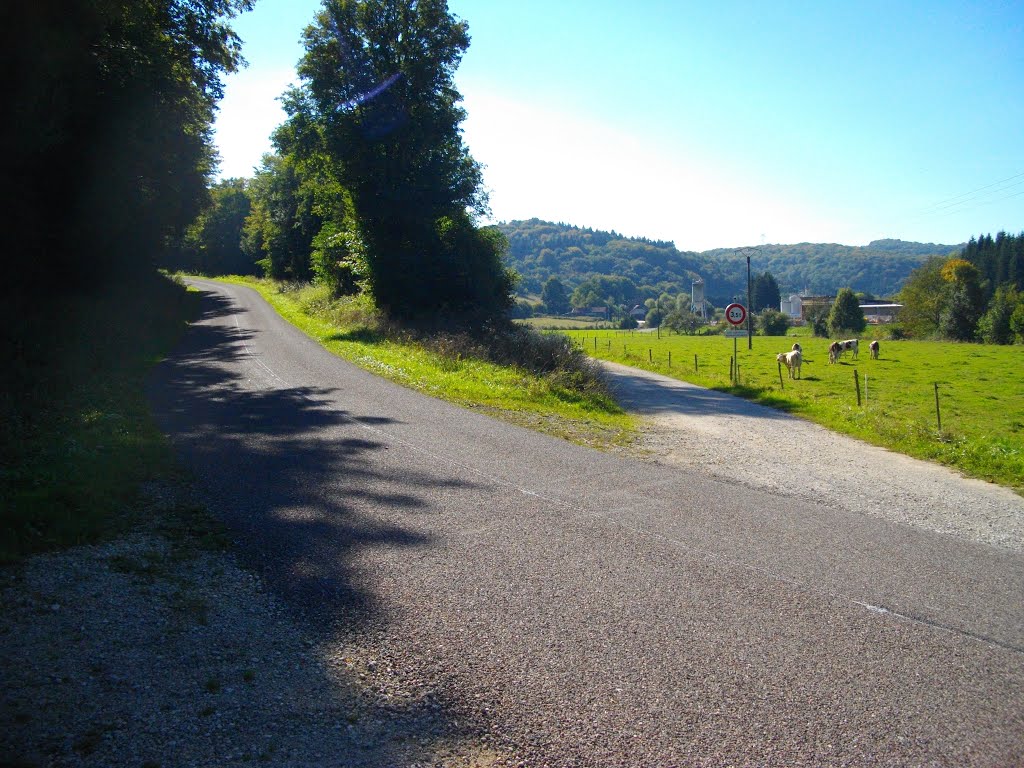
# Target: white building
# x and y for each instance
(792, 306)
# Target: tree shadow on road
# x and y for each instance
(301, 487)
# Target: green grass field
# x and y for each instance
(980, 388)
(562, 323)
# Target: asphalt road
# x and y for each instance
(581, 608)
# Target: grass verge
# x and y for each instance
(78, 437)
(981, 399)
(475, 374)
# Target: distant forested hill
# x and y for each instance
(540, 250)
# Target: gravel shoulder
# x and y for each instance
(742, 442)
(160, 649)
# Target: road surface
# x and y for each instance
(579, 608)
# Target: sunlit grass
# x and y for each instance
(348, 328)
(980, 388)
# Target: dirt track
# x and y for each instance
(731, 438)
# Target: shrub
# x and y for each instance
(772, 322)
(338, 260)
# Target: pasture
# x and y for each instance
(980, 390)
(552, 322)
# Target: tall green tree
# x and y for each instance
(965, 304)
(380, 79)
(765, 292)
(554, 296)
(994, 326)
(923, 297)
(846, 314)
(108, 133)
(279, 232)
(213, 243)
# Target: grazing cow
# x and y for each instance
(834, 351)
(849, 345)
(873, 349)
(792, 361)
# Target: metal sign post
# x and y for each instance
(735, 314)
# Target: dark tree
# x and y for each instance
(109, 108)
(213, 244)
(765, 292)
(380, 76)
(280, 229)
(846, 314)
(554, 296)
(1000, 260)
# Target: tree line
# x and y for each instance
(108, 133)
(370, 187)
(976, 295)
(539, 250)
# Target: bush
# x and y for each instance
(551, 355)
(817, 319)
(994, 325)
(772, 322)
(338, 260)
(846, 316)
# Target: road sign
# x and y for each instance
(734, 333)
(736, 314)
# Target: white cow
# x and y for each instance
(873, 348)
(792, 361)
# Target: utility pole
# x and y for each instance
(750, 310)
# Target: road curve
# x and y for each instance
(579, 608)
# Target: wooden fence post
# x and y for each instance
(856, 383)
(938, 415)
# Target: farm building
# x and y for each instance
(797, 307)
(791, 306)
(881, 313)
(809, 303)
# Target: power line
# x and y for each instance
(969, 197)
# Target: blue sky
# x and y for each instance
(717, 123)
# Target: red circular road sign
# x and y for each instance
(736, 314)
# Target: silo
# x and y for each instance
(697, 298)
